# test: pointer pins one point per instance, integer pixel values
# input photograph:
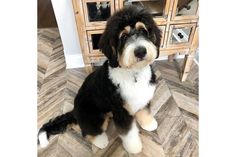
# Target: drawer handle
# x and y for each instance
(180, 35)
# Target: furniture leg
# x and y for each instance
(188, 61)
(171, 58)
(88, 68)
(189, 58)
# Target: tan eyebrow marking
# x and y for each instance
(125, 30)
(139, 25)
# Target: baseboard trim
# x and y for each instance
(177, 57)
(166, 57)
(196, 61)
(74, 61)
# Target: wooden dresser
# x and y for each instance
(178, 20)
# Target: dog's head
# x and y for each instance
(131, 38)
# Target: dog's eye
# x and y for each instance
(124, 36)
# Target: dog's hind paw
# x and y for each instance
(133, 145)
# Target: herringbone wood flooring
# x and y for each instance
(175, 106)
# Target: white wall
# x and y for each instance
(63, 10)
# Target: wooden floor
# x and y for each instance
(175, 106)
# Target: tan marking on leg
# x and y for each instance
(144, 117)
(108, 116)
(101, 140)
(90, 138)
(127, 107)
(105, 124)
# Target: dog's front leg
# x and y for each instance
(128, 130)
(146, 120)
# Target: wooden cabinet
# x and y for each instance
(178, 20)
(158, 8)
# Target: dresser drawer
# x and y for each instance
(185, 9)
(181, 35)
(97, 11)
(93, 40)
(158, 8)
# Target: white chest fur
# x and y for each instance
(134, 86)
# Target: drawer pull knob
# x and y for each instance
(180, 35)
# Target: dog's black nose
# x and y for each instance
(140, 52)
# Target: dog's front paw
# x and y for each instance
(150, 126)
(146, 120)
(133, 145)
(101, 141)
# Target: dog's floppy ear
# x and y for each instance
(157, 38)
(107, 48)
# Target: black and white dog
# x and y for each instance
(124, 85)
